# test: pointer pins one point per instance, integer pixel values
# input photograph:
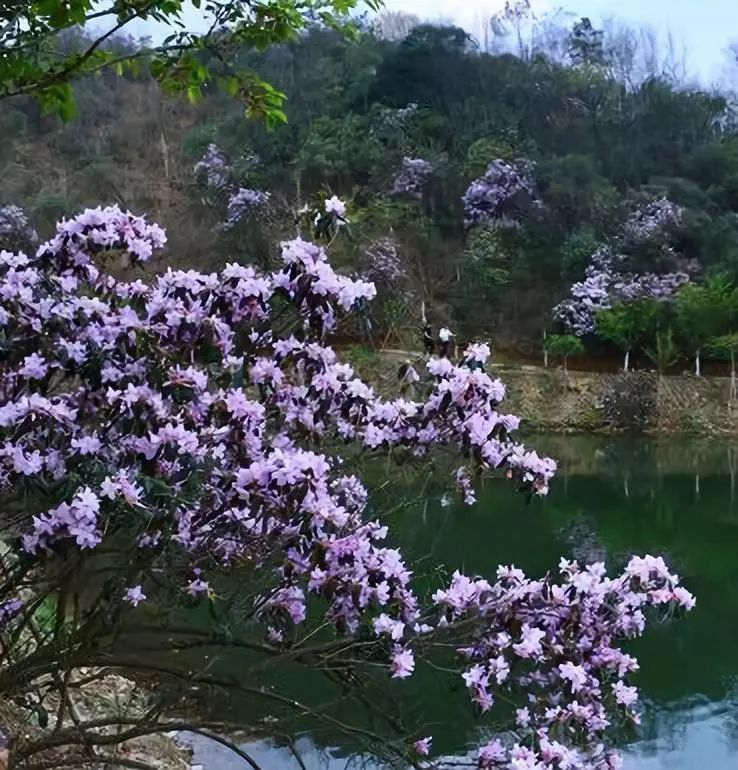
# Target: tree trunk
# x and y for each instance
(566, 374)
(732, 377)
(164, 154)
(627, 361)
(545, 352)
(697, 370)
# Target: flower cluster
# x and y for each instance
(382, 263)
(9, 610)
(174, 413)
(217, 174)
(335, 207)
(500, 197)
(214, 168)
(561, 650)
(608, 279)
(412, 178)
(16, 232)
(145, 397)
(244, 203)
(649, 221)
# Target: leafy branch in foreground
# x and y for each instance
(39, 56)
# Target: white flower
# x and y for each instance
(335, 206)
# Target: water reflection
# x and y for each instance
(612, 498)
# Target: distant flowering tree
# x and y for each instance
(162, 439)
(382, 262)
(213, 168)
(16, 232)
(243, 203)
(612, 277)
(221, 181)
(413, 177)
(502, 196)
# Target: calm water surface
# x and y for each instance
(612, 498)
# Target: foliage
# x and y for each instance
(39, 60)
(706, 311)
(725, 346)
(564, 345)
(664, 352)
(626, 324)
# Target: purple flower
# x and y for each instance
(135, 595)
(34, 367)
(423, 746)
(214, 166)
(624, 695)
(198, 587)
(492, 753)
(575, 675)
(336, 207)
(403, 663)
(530, 644)
(9, 609)
(244, 203)
(502, 196)
(412, 178)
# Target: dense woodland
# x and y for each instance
(398, 123)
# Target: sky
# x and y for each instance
(704, 28)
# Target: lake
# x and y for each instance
(612, 497)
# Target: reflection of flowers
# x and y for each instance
(581, 537)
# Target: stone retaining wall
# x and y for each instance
(632, 402)
(636, 402)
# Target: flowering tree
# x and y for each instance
(162, 440)
(220, 181)
(16, 232)
(613, 276)
(413, 177)
(501, 195)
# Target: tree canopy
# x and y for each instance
(40, 56)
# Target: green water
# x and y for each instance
(611, 498)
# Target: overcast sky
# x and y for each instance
(704, 27)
